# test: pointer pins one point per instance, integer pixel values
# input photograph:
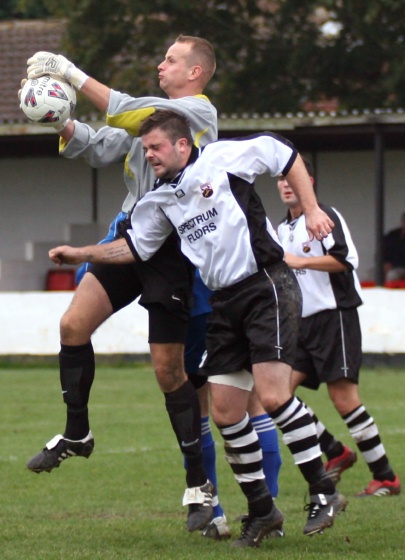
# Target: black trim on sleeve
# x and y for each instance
(290, 162)
(128, 239)
(340, 249)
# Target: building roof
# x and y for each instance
(310, 130)
(18, 41)
(321, 130)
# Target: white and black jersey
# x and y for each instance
(321, 290)
(215, 210)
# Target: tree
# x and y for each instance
(23, 9)
(273, 55)
(363, 62)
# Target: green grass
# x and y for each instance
(125, 501)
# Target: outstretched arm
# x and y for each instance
(116, 252)
(98, 94)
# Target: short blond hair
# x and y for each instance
(203, 54)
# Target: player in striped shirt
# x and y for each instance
(329, 345)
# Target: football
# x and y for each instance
(47, 100)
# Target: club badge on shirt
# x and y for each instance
(206, 190)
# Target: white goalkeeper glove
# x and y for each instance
(56, 65)
(58, 127)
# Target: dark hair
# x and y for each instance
(203, 54)
(309, 167)
(173, 124)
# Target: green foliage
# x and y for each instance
(272, 55)
(24, 9)
(364, 65)
(124, 503)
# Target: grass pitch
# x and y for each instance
(125, 501)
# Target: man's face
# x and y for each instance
(286, 193)
(175, 69)
(165, 158)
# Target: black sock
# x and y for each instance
(77, 369)
(183, 408)
(260, 502)
(330, 446)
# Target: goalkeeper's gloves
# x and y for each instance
(56, 65)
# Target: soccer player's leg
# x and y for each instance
(218, 528)
(339, 456)
(167, 331)
(268, 438)
(343, 390)
(318, 357)
(103, 290)
(272, 350)
(365, 434)
(230, 393)
(89, 308)
(299, 434)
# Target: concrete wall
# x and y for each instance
(42, 199)
(29, 324)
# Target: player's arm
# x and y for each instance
(98, 94)
(317, 221)
(57, 65)
(116, 252)
(268, 152)
(325, 263)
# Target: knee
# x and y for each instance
(226, 415)
(218, 416)
(344, 405)
(345, 397)
(271, 402)
(169, 376)
(72, 332)
(255, 407)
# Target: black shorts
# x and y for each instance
(253, 321)
(164, 283)
(329, 347)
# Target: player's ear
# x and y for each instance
(182, 144)
(195, 72)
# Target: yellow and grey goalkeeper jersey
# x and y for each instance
(323, 290)
(119, 141)
(213, 207)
